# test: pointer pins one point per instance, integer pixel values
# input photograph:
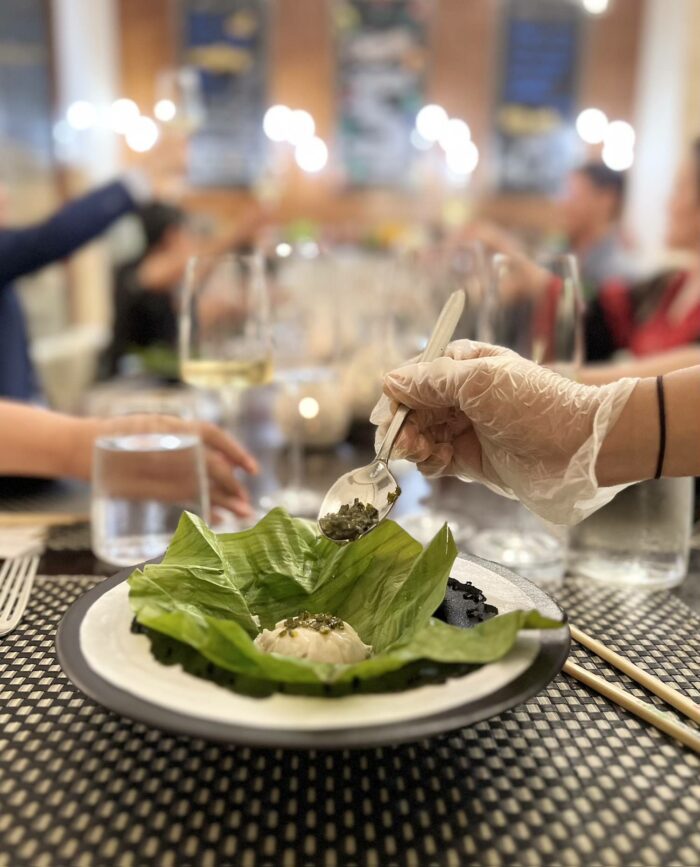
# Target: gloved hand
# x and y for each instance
(485, 414)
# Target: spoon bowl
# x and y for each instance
(373, 484)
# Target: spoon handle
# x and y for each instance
(437, 343)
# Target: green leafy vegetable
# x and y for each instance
(211, 591)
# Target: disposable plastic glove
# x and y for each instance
(485, 414)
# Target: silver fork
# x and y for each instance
(16, 580)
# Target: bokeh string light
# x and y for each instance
(617, 138)
(296, 127)
(434, 125)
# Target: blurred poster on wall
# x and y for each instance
(382, 52)
(536, 143)
(225, 42)
(25, 85)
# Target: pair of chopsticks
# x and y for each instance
(644, 710)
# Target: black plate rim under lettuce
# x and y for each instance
(553, 651)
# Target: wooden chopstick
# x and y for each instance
(642, 709)
(670, 695)
(41, 519)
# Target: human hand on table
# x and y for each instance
(483, 413)
(222, 454)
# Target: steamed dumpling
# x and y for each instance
(317, 637)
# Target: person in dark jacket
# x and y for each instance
(144, 288)
(27, 249)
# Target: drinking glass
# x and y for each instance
(143, 478)
(640, 539)
(420, 284)
(536, 310)
(310, 406)
(225, 337)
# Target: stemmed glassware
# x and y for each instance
(311, 407)
(428, 278)
(225, 337)
(536, 310)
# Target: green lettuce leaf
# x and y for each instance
(210, 590)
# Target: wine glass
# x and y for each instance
(311, 406)
(225, 339)
(422, 282)
(537, 311)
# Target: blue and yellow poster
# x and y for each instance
(537, 96)
(225, 41)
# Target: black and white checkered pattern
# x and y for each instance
(566, 779)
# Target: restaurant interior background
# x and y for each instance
(518, 72)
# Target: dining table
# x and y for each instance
(567, 778)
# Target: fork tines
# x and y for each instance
(16, 580)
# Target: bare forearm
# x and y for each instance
(655, 365)
(630, 451)
(37, 442)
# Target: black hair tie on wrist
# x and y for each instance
(662, 426)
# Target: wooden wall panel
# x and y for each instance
(465, 41)
(148, 44)
(610, 58)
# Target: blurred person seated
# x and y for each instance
(591, 208)
(662, 313)
(146, 288)
(36, 443)
(654, 322)
(29, 248)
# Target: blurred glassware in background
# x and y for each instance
(537, 309)
(311, 407)
(179, 105)
(421, 282)
(225, 338)
(537, 312)
(310, 410)
(121, 398)
(141, 484)
(640, 539)
(466, 266)
(368, 328)
(424, 525)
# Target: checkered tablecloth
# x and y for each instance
(565, 779)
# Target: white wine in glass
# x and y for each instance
(225, 338)
(218, 375)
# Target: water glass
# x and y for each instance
(511, 535)
(535, 308)
(141, 484)
(641, 539)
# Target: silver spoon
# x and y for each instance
(374, 484)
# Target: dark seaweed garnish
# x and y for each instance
(464, 605)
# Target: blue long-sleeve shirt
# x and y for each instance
(27, 249)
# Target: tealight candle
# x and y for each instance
(314, 411)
